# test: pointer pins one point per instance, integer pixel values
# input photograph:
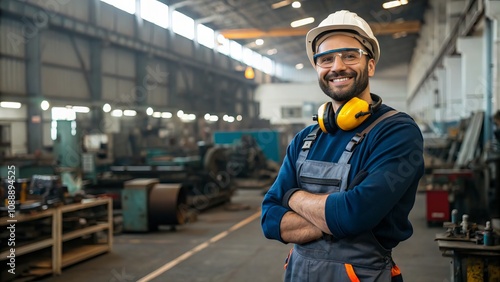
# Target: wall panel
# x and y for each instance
(58, 48)
(118, 62)
(204, 54)
(158, 97)
(109, 86)
(116, 20)
(64, 83)
(154, 34)
(12, 76)
(183, 46)
(107, 16)
(11, 38)
(124, 22)
(72, 8)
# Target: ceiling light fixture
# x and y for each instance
(45, 105)
(302, 22)
(259, 42)
(106, 108)
(81, 109)
(296, 4)
(10, 105)
(393, 4)
(299, 66)
(271, 52)
(249, 73)
(281, 4)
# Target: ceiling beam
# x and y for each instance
(378, 29)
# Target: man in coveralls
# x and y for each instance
(348, 183)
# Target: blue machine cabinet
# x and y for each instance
(135, 209)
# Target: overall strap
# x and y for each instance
(358, 137)
(308, 142)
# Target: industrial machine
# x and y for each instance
(147, 204)
(474, 249)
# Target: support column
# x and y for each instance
(96, 113)
(439, 95)
(34, 88)
(453, 96)
(492, 13)
(472, 81)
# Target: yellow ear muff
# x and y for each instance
(321, 117)
(348, 115)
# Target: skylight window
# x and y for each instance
(222, 45)
(236, 50)
(206, 36)
(267, 65)
(247, 56)
(124, 5)
(155, 12)
(183, 25)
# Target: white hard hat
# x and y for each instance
(347, 23)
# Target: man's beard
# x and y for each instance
(359, 85)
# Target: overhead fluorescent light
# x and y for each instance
(81, 109)
(117, 113)
(393, 4)
(10, 105)
(129, 113)
(302, 22)
(166, 115)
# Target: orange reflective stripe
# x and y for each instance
(288, 258)
(350, 273)
(395, 271)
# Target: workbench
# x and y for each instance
(471, 262)
(61, 245)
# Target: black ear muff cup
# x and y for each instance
(331, 124)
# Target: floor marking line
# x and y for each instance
(198, 248)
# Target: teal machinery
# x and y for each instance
(68, 152)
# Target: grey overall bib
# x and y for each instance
(359, 258)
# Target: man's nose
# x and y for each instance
(338, 64)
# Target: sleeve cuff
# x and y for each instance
(287, 196)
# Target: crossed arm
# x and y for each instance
(306, 222)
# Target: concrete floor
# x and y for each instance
(215, 248)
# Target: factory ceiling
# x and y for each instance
(244, 21)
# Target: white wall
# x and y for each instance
(16, 119)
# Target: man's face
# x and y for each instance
(342, 82)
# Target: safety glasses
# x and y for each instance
(349, 56)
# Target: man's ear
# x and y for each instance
(371, 67)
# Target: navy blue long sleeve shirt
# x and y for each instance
(391, 153)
